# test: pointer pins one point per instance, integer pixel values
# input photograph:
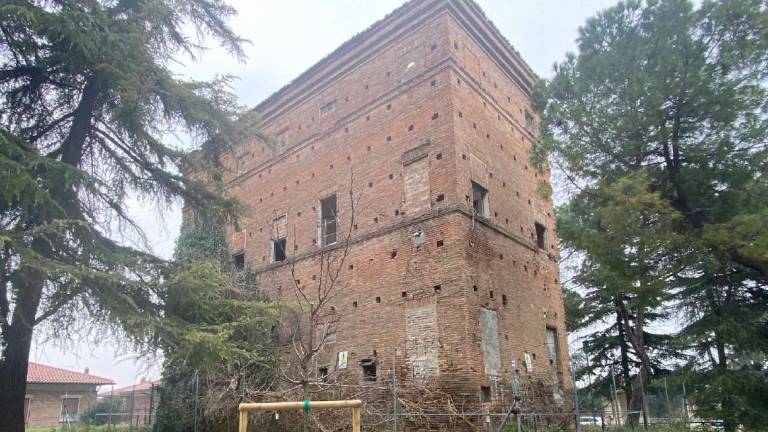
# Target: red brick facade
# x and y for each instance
(414, 111)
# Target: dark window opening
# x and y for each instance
(322, 372)
(504, 299)
(238, 260)
(479, 200)
(368, 367)
(328, 220)
(529, 121)
(541, 236)
(485, 394)
(278, 250)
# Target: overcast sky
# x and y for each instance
(287, 37)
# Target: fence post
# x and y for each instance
(196, 392)
(243, 421)
(575, 398)
(355, 419)
(394, 390)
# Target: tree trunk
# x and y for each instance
(625, 372)
(28, 283)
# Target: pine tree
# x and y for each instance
(678, 94)
(220, 347)
(86, 99)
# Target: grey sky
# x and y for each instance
(289, 36)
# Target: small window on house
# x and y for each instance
(541, 236)
(69, 410)
(480, 200)
(328, 220)
(238, 260)
(278, 250)
(368, 367)
(485, 394)
(327, 108)
(530, 123)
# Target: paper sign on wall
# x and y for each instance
(343, 356)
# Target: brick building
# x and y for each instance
(453, 265)
(56, 397)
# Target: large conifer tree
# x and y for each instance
(671, 99)
(86, 98)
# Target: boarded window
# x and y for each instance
(69, 410)
(480, 200)
(552, 346)
(328, 220)
(327, 108)
(416, 184)
(412, 61)
(421, 343)
(489, 329)
(541, 236)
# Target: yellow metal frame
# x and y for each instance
(355, 405)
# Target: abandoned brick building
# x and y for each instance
(452, 267)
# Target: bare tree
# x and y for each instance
(315, 319)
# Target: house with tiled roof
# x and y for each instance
(57, 396)
(139, 401)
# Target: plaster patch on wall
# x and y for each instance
(416, 183)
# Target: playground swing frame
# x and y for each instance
(355, 405)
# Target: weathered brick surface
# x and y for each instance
(409, 114)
